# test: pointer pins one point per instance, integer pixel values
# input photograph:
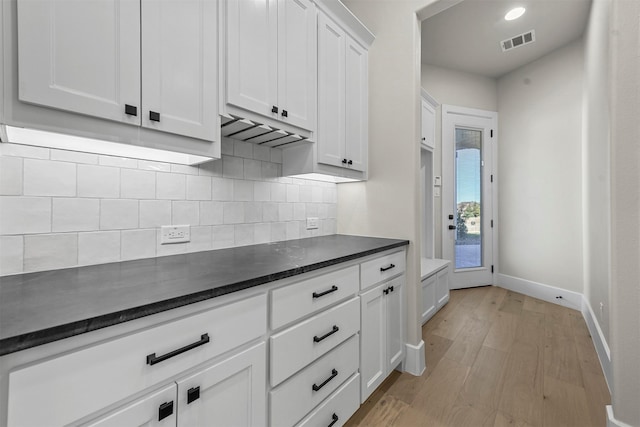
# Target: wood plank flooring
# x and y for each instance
(496, 358)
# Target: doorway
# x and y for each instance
(469, 205)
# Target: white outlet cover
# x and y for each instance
(312, 223)
(175, 234)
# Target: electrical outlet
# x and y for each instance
(174, 234)
(312, 223)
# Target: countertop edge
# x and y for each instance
(44, 336)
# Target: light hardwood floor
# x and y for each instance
(496, 358)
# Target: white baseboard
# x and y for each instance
(611, 420)
(414, 361)
(600, 343)
(541, 291)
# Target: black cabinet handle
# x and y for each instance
(350, 162)
(165, 410)
(131, 110)
(152, 359)
(390, 288)
(383, 269)
(327, 335)
(193, 394)
(285, 113)
(274, 109)
(385, 291)
(316, 387)
(452, 227)
(423, 138)
(334, 418)
(344, 161)
(154, 116)
(321, 294)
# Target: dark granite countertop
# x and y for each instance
(38, 308)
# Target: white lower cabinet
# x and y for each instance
(382, 333)
(435, 292)
(229, 393)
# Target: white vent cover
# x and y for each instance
(519, 40)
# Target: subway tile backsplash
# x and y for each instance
(63, 209)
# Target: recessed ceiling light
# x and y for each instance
(514, 13)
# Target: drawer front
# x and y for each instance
(296, 347)
(98, 376)
(382, 268)
(292, 302)
(295, 398)
(338, 408)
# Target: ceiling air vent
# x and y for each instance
(519, 40)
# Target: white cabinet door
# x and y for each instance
(331, 92)
(442, 287)
(356, 105)
(81, 56)
(428, 125)
(373, 347)
(157, 409)
(251, 55)
(428, 297)
(229, 393)
(179, 67)
(395, 320)
(297, 62)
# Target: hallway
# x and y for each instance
(497, 358)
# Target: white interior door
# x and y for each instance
(468, 199)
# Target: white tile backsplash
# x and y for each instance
(98, 181)
(50, 251)
(117, 214)
(62, 209)
(49, 178)
(98, 247)
(25, 215)
(72, 214)
(11, 173)
(137, 184)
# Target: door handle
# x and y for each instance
(452, 227)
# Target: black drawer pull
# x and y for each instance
(165, 410)
(193, 394)
(317, 387)
(335, 418)
(386, 291)
(391, 289)
(327, 335)
(387, 268)
(274, 109)
(321, 294)
(285, 113)
(152, 359)
(154, 116)
(131, 110)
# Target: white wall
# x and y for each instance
(625, 214)
(454, 88)
(539, 164)
(596, 197)
(62, 209)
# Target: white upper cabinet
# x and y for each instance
(81, 56)
(271, 60)
(150, 63)
(179, 67)
(428, 115)
(342, 91)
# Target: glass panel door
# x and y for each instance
(468, 187)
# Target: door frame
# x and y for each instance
(447, 171)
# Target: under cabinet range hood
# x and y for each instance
(246, 130)
(40, 138)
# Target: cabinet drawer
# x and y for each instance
(100, 375)
(295, 398)
(292, 302)
(296, 347)
(338, 408)
(382, 268)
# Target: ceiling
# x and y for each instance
(467, 36)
